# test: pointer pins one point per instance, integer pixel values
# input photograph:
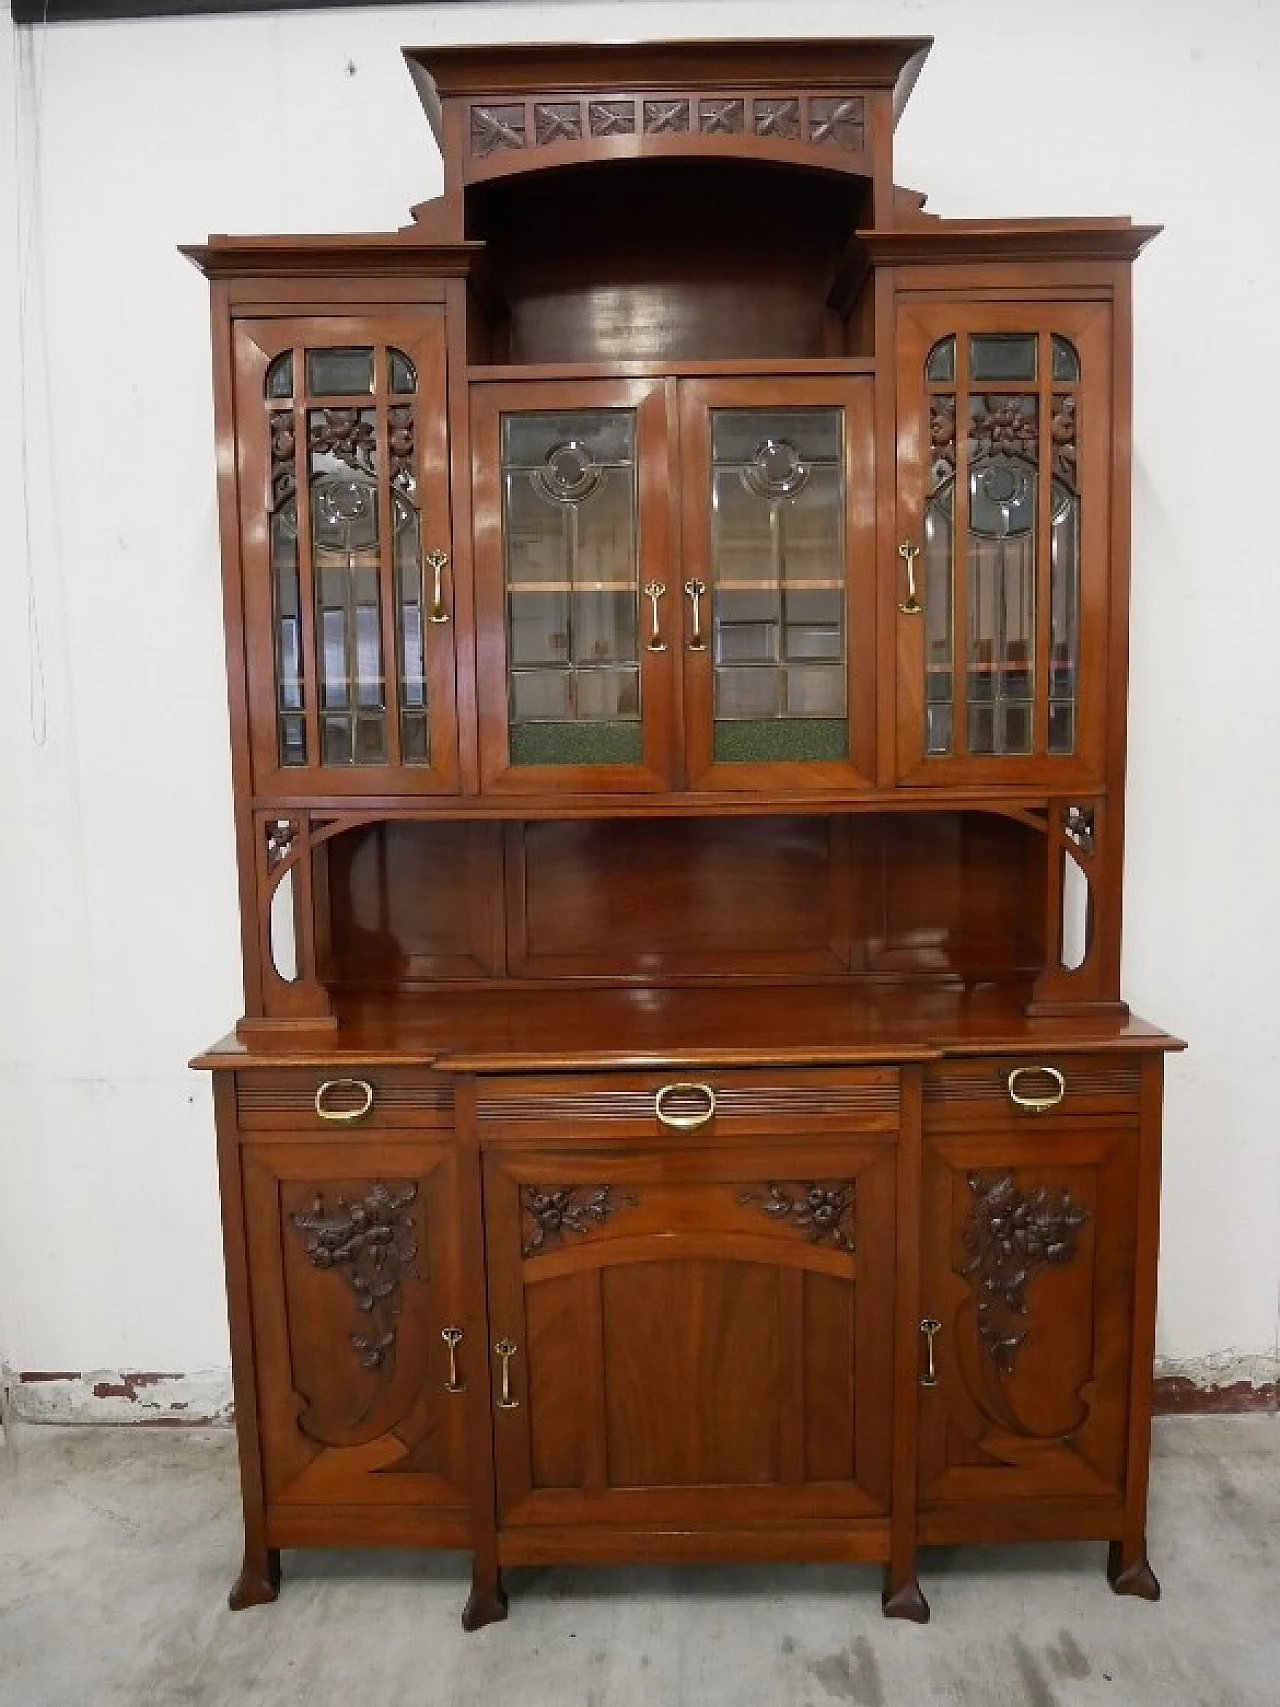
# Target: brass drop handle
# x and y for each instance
(929, 1327)
(344, 1114)
(653, 592)
(452, 1337)
(684, 1122)
(1036, 1105)
(697, 591)
(506, 1350)
(438, 562)
(908, 553)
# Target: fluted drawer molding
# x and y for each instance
(271, 1097)
(754, 1102)
(979, 1085)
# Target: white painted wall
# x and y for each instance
(118, 939)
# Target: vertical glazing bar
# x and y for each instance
(1041, 678)
(960, 559)
(311, 665)
(388, 588)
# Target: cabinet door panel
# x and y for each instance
(345, 533)
(353, 1267)
(1004, 455)
(778, 492)
(1029, 1275)
(700, 1337)
(574, 591)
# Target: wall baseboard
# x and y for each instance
(1224, 1383)
(1217, 1385)
(149, 1396)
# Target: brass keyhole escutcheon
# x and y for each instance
(452, 1337)
(506, 1350)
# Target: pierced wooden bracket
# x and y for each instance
(1076, 832)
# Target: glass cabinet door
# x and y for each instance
(342, 438)
(573, 595)
(1002, 548)
(779, 593)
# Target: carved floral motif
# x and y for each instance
(837, 120)
(1010, 1238)
(823, 1212)
(1003, 426)
(400, 445)
(666, 116)
(557, 121)
(346, 434)
(1062, 433)
(778, 119)
(942, 436)
(281, 834)
(551, 1211)
(611, 118)
(496, 127)
(371, 1244)
(284, 480)
(721, 118)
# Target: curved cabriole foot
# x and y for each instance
(905, 1601)
(486, 1604)
(1136, 1578)
(258, 1583)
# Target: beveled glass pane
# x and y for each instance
(612, 693)
(414, 748)
(1066, 361)
(940, 364)
(1002, 355)
(401, 376)
(410, 614)
(280, 375)
(293, 741)
(1061, 727)
(1015, 729)
(342, 372)
(603, 628)
(539, 628)
(814, 691)
(537, 694)
(571, 565)
(748, 692)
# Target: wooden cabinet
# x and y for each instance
(361, 1362)
(694, 1340)
(676, 597)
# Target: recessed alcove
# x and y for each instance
(946, 896)
(686, 261)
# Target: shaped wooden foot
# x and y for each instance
(1131, 1574)
(486, 1604)
(904, 1600)
(258, 1583)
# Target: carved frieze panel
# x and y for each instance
(832, 123)
(823, 1212)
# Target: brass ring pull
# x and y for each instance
(344, 1113)
(653, 592)
(1036, 1105)
(684, 1122)
(506, 1350)
(697, 591)
(437, 562)
(909, 553)
(452, 1337)
(929, 1327)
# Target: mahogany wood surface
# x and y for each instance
(694, 1157)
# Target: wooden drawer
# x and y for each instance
(282, 1099)
(975, 1090)
(672, 1106)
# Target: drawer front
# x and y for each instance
(977, 1090)
(341, 1099)
(704, 1106)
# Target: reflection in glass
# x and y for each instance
(939, 544)
(402, 378)
(1002, 355)
(1064, 567)
(778, 556)
(280, 376)
(570, 543)
(1066, 360)
(940, 364)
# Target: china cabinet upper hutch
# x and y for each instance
(676, 600)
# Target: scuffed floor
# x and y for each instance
(117, 1547)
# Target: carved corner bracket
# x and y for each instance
(551, 1212)
(824, 1213)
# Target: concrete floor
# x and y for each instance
(117, 1547)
